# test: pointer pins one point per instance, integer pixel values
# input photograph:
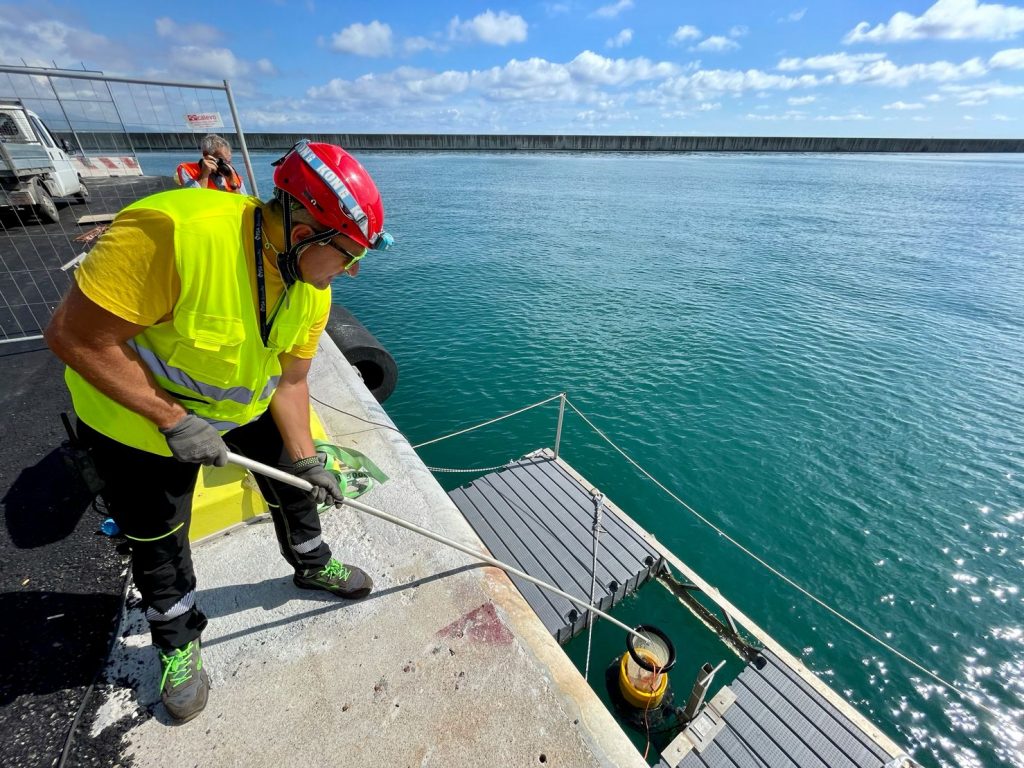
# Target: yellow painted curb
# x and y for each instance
(226, 496)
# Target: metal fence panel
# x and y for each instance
(49, 219)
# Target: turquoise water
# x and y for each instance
(823, 355)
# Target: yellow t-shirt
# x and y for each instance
(130, 273)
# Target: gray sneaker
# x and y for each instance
(338, 579)
(184, 685)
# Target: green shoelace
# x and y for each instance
(177, 666)
(335, 570)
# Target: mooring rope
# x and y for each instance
(491, 421)
(470, 469)
(802, 590)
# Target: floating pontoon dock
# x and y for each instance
(538, 514)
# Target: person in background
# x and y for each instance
(213, 171)
(189, 331)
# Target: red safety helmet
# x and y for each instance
(338, 192)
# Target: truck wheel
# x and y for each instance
(46, 209)
(83, 192)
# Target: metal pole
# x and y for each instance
(561, 416)
(121, 121)
(700, 689)
(298, 482)
(76, 75)
(66, 118)
(241, 139)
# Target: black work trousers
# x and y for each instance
(150, 498)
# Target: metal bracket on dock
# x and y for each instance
(701, 732)
(725, 628)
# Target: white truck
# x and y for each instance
(34, 168)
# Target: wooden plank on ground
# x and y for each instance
(96, 218)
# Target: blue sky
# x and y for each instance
(783, 67)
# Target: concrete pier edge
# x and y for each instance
(445, 664)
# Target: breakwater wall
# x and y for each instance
(434, 142)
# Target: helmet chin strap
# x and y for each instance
(288, 260)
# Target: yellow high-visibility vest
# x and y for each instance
(209, 356)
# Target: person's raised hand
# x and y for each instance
(207, 166)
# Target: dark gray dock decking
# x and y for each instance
(536, 516)
(778, 720)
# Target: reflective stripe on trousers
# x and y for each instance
(180, 608)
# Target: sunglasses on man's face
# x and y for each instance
(352, 257)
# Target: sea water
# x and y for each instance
(822, 355)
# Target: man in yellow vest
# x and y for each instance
(213, 170)
(189, 331)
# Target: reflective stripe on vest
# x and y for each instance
(177, 376)
(209, 355)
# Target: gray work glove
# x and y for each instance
(194, 441)
(325, 485)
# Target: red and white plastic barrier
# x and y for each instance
(99, 166)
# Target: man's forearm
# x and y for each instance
(290, 411)
(117, 372)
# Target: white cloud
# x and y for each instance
(921, 119)
(794, 16)
(739, 30)
(887, 73)
(684, 33)
(187, 34)
(716, 43)
(799, 101)
(625, 37)
(373, 39)
(969, 118)
(41, 42)
(220, 63)
(266, 67)
(830, 61)
(903, 106)
(948, 20)
(492, 28)
(613, 10)
(1002, 118)
(875, 68)
(709, 106)
(855, 116)
(933, 97)
(556, 9)
(1012, 58)
(416, 44)
(977, 95)
(792, 114)
(592, 68)
(708, 83)
(531, 80)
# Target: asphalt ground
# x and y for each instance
(61, 581)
